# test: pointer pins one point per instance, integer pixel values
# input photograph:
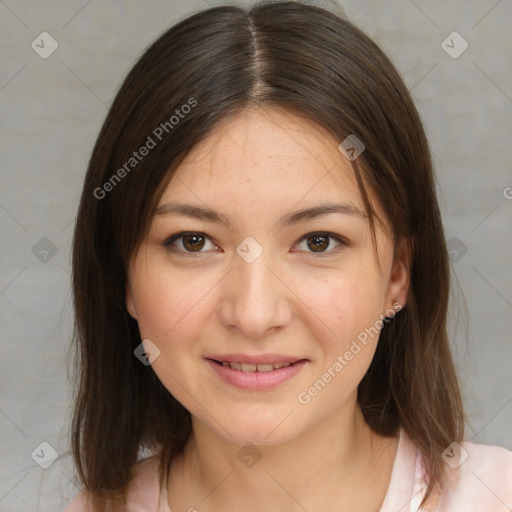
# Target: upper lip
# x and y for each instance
(261, 359)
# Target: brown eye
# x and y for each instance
(317, 243)
(191, 243)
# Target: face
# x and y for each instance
(260, 286)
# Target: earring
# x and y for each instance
(390, 313)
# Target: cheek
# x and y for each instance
(168, 307)
(346, 304)
(171, 313)
(346, 313)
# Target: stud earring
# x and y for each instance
(391, 312)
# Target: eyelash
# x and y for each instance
(167, 243)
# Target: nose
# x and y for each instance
(255, 298)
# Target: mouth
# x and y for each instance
(256, 373)
(260, 367)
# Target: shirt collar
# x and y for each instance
(401, 486)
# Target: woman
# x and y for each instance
(261, 283)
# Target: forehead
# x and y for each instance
(270, 154)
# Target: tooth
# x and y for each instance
(265, 367)
(246, 367)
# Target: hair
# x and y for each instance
(316, 64)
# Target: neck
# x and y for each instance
(338, 454)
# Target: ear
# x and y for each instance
(400, 276)
(130, 304)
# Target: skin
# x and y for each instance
(291, 300)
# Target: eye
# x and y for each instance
(318, 242)
(193, 242)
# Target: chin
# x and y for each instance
(260, 437)
(264, 429)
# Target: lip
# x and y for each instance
(261, 359)
(256, 381)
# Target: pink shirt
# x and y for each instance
(484, 484)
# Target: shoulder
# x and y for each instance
(78, 504)
(143, 491)
(481, 479)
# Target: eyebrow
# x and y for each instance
(313, 212)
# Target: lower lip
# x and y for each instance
(256, 380)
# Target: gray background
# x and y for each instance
(52, 109)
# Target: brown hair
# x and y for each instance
(318, 65)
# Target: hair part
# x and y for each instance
(314, 64)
